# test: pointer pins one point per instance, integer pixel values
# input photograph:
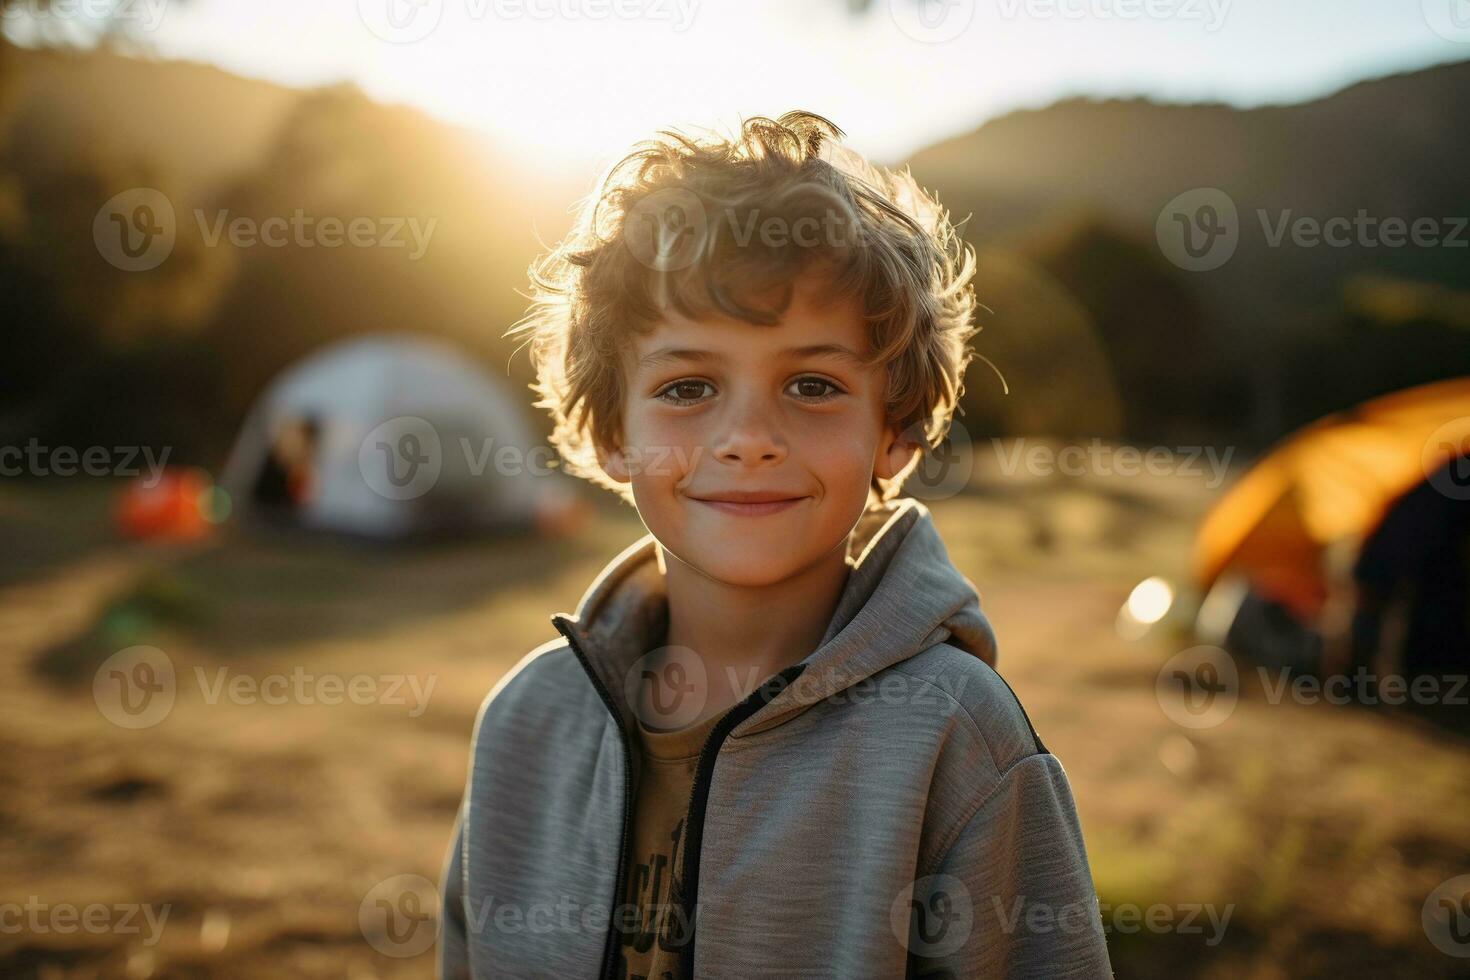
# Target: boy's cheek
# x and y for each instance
(659, 464)
(662, 452)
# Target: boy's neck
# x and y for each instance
(745, 634)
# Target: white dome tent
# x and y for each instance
(394, 437)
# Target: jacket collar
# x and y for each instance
(903, 595)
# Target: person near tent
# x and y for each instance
(1413, 578)
(287, 474)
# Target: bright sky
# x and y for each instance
(549, 77)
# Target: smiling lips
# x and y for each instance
(750, 503)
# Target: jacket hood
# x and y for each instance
(903, 596)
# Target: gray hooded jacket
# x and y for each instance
(881, 809)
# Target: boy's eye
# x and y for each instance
(810, 388)
(813, 388)
(683, 392)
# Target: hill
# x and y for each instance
(1386, 148)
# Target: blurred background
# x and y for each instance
(251, 252)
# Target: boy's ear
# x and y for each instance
(896, 454)
(614, 463)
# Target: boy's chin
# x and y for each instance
(754, 572)
(746, 565)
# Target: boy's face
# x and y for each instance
(718, 409)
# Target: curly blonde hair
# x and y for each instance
(651, 237)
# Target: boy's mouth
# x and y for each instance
(749, 503)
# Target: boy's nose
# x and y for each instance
(750, 436)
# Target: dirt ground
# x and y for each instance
(263, 829)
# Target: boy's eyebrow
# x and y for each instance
(665, 354)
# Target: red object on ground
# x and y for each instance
(169, 509)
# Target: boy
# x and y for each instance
(770, 742)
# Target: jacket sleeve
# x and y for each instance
(454, 961)
(1012, 896)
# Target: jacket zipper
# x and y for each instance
(699, 799)
(608, 971)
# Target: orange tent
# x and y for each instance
(1333, 480)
